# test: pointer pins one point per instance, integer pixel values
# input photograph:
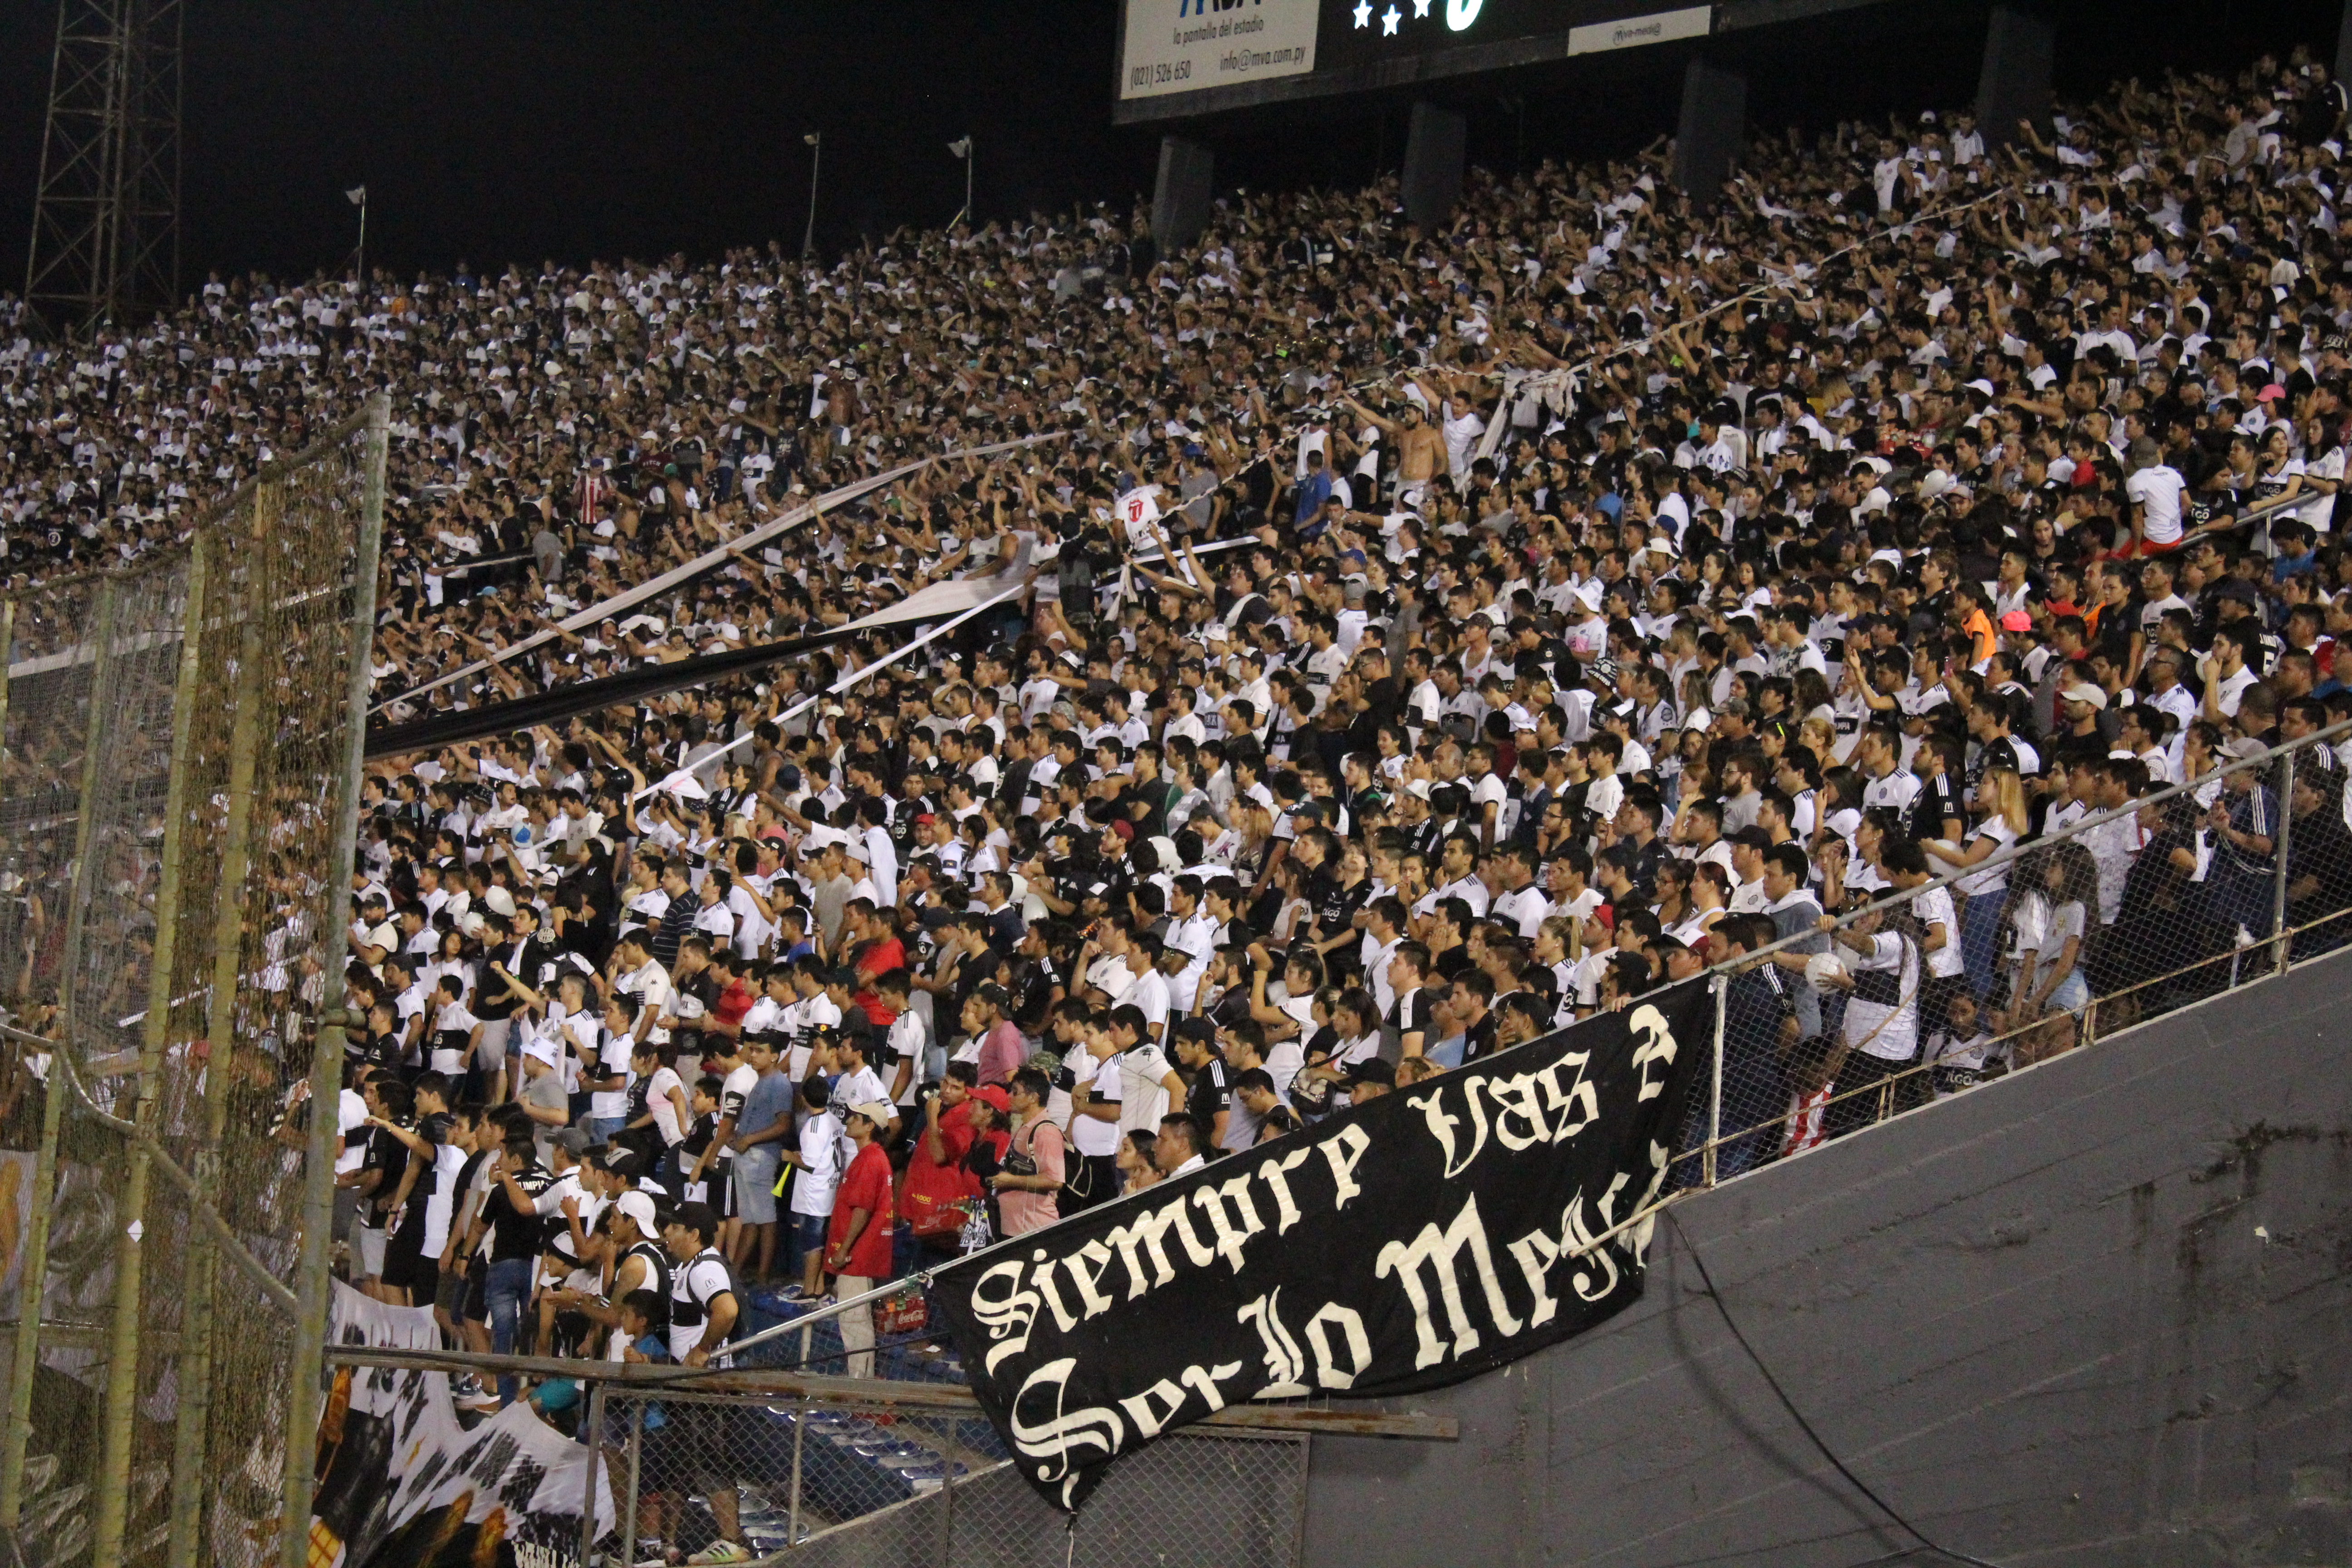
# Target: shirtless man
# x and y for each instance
(1420, 451)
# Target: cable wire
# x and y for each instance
(1724, 1309)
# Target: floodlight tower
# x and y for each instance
(106, 212)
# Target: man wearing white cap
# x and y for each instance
(644, 1265)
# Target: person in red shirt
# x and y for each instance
(939, 1179)
(875, 934)
(735, 996)
(857, 1242)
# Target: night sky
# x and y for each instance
(497, 129)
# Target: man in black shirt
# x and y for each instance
(411, 1266)
(1206, 1097)
(389, 1103)
(510, 1216)
(516, 951)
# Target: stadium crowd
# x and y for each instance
(1373, 710)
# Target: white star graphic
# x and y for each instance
(1389, 19)
(1420, 9)
(1364, 12)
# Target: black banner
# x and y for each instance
(557, 703)
(1436, 1232)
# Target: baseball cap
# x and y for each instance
(994, 1094)
(2083, 692)
(2016, 621)
(638, 1206)
(1374, 1071)
(572, 1141)
(873, 1111)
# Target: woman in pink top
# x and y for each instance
(1027, 1188)
(1002, 1049)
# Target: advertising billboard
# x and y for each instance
(1196, 57)
(1191, 46)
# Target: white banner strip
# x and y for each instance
(630, 599)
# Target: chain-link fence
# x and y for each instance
(178, 768)
(886, 1484)
(1958, 958)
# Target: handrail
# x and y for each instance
(2025, 848)
(656, 1381)
(2008, 855)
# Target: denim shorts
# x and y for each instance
(807, 1236)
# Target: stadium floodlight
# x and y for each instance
(357, 196)
(961, 148)
(815, 140)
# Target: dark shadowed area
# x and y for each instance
(517, 130)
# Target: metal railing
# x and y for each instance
(857, 1470)
(2231, 931)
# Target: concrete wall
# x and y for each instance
(2098, 1312)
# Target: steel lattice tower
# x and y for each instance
(106, 212)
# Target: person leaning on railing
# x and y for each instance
(2318, 861)
(1879, 967)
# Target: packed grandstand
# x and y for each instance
(1430, 637)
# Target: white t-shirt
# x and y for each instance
(1091, 1136)
(1149, 995)
(2319, 513)
(819, 1177)
(1142, 1093)
(1873, 1028)
(702, 1280)
(2232, 690)
(350, 1116)
(613, 1061)
(1933, 907)
(2065, 921)
(1525, 907)
(665, 1109)
(908, 1042)
(1992, 878)
(2157, 491)
(452, 1019)
(441, 1202)
(733, 1091)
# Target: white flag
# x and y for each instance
(1138, 509)
(356, 195)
